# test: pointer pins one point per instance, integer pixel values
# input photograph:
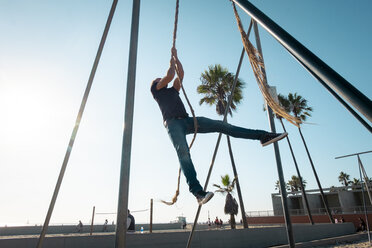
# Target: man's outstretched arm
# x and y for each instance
(167, 78)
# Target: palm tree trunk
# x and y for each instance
(304, 197)
(317, 179)
(244, 218)
(232, 221)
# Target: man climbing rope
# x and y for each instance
(179, 124)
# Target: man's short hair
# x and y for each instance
(156, 80)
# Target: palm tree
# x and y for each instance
(355, 183)
(277, 186)
(333, 189)
(298, 106)
(231, 206)
(344, 178)
(295, 183)
(284, 102)
(216, 85)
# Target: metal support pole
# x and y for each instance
(366, 179)
(311, 62)
(350, 109)
(361, 168)
(76, 127)
(304, 197)
(364, 200)
(325, 203)
(212, 162)
(241, 203)
(91, 225)
(120, 238)
(282, 183)
(205, 186)
(354, 154)
(151, 211)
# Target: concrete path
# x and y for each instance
(217, 238)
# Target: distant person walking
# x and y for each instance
(362, 225)
(216, 222)
(184, 224)
(342, 219)
(209, 223)
(105, 226)
(79, 227)
(132, 223)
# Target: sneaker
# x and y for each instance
(269, 138)
(203, 197)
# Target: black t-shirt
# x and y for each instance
(170, 103)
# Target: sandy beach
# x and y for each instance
(356, 244)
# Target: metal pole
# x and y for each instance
(282, 183)
(120, 238)
(304, 197)
(76, 127)
(350, 109)
(361, 168)
(151, 211)
(205, 187)
(211, 166)
(317, 180)
(364, 200)
(366, 179)
(354, 154)
(242, 209)
(314, 64)
(91, 225)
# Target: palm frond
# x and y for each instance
(217, 82)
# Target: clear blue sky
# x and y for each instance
(47, 49)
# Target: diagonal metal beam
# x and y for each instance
(330, 79)
(283, 192)
(77, 124)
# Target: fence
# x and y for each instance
(315, 211)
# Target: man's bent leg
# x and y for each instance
(177, 133)
(206, 125)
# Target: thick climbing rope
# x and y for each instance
(255, 58)
(174, 199)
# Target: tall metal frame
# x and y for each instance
(329, 78)
(121, 230)
(366, 184)
(326, 75)
(77, 124)
(282, 184)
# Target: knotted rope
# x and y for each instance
(255, 58)
(174, 199)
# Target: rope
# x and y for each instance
(174, 199)
(256, 61)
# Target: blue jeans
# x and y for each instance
(179, 128)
